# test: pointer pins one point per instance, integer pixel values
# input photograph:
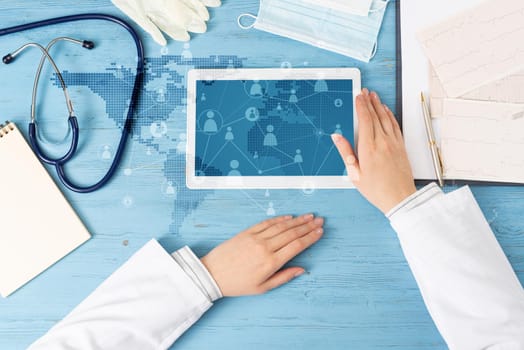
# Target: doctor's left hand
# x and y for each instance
(251, 262)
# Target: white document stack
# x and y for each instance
(477, 90)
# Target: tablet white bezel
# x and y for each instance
(306, 183)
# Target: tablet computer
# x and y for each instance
(269, 128)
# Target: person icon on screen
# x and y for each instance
(182, 143)
(321, 86)
(255, 156)
(158, 129)
(229, 134)
(186, 53)
(161, 95)
(210, 125)
(256, 88)
(270, 139)
(293, 98)
(252, 114)
(234, 164)
(118, 72)
(106, 154)
(338, 129)
(279, 106)
(203, 98)
(271, 210)
(298, 157)
(170, 189)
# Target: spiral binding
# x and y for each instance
(6, 128)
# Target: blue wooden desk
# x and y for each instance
(358, 292)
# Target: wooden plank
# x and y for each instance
(358, 292)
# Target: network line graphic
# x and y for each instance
(271, 127)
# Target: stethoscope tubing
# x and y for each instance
(127, 127)
(33, 137)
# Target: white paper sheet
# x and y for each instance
(478, 46)
(39, 226)
(416, 15)
(507, 90)
(471, 150)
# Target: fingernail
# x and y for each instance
(299, 273)
(386, 107)
(365, 91)
(319, 221)
(374, 95)
(308, 217)
(288, 217)
(336, 138)
(319, 231)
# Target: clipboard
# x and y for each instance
(413, 77)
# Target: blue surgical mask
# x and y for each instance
(322, 26)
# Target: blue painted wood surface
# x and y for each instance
(358, 292)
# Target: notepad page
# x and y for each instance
(39, 227)
(483, 141)
(477, 47)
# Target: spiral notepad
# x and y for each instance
(38, 227)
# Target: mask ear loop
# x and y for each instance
(375, 47)
(248, 15)
(373, 53)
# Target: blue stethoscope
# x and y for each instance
(59, 163)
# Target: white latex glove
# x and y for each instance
(174, 17)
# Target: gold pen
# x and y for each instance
(435, 153)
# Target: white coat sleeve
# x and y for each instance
(467, 283)
(146, 304)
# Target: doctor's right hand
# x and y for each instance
(174, 17)
(251, 262)
(381, 171)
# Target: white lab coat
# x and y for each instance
(465, 279)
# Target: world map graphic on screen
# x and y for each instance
(271, 127)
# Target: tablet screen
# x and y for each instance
(271, 127)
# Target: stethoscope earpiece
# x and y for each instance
(7, 58)
(88, 44)
(59, 163)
